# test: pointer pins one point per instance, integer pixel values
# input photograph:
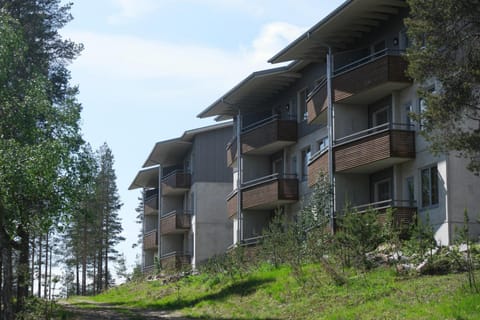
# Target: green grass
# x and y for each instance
(270, 293)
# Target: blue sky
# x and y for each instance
(150, 66)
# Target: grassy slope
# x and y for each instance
(274, 294)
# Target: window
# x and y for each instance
(302, 103)
(323, 144)
(429, 186)
(277, 166)
(381, 116)
(408, 119)
(410, 191)
(294, 165)
(383, 190)
(305, 158)
(292, 108)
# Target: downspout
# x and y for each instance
(239, 180)
(331, 134)
(160, 204)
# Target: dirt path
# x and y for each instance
(99, 311)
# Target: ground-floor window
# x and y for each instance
(429, 186)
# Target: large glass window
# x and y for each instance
(305, 158)
(429, 186)
(302, 103)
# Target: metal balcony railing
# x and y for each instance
(372, 131)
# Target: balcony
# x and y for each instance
(231, 151)
(175, 260)
(374, 149)
(151, 202)
(318, 163)
(403, 211)
(175, 222)
(232, 204)
(317, 104)
(370, 78)
(176, 183)
(268, 136)
(362, 81)
(270, 192)
(150, 240)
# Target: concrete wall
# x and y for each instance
(172, 203)
(351, 189)
(172, 242)
(210, 158)
(212, 228)
(350, 119)
(463, 194)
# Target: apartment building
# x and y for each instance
(185, 182)
(343, 105)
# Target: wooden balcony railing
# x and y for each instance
(151, 204)
(232, 204)
(176, 182)
(175, 222)
(231, 151)
(270, 192)
(318, 163)
(317, 104)
(404, 211)
(362, 81)
(370, 78)
(150, 240)
(175, 260)
(374, 149)
(268, 136)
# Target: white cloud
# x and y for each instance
(131, 9)
(128, 57)
(272, 38)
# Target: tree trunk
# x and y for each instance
(6, 270)
(77, 278)
(23, 266)
(45, 296)
(50, 274)
(39, 290)
(7, 312)
(106, 254)
(32, 268)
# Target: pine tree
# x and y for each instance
(445, 46)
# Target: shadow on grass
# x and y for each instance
(243, 288)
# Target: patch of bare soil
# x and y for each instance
(99, 311)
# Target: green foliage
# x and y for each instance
(274, 293)
(358, 234)
(445, 45)
(463, 238)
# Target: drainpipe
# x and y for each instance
(143, 230)
(239, 180)
(160, 204)
(331, 134)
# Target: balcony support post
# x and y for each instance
(239, 179)
(160, 211)
(331, 133)
(143, 231)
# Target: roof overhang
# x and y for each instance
(339, 29)
(168, 153)
(146, 178)
(253, 91)
(172, 152)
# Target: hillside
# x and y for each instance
(279, 293)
